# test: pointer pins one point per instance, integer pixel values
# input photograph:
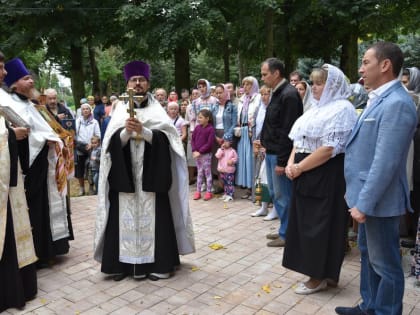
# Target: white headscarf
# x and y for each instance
(332, 114)
(414, 82)
(336, 87)
(307, 98)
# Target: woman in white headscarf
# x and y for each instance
(86, 128)
(316, 234)
(248, 103)
(304, 90)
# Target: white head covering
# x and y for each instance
(414, 82)
(333, 113)
(86, 105)
(336, 87)
(307, 98)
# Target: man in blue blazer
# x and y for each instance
(377, 188)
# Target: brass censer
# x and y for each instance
(258, 192)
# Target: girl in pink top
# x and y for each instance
(226, 166)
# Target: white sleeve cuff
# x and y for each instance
(147, 134)
(124, 136)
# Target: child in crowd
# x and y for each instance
(178, 121)
(94, 162)
(227, 157)
(201, 144)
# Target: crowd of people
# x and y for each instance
(297, 145)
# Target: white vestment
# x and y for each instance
(39, 133)
(137, 210)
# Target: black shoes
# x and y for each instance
(158, 276)
(151, 276)
(119, 277)
(408, 243)
(356, 310)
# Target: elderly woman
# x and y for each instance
(316, 235)
(248, 103)
(259, 157)
(86, 128)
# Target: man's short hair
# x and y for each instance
(275, 64)
(293, 73)
(391, 51)
(50, 91)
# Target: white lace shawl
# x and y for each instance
(329, 120)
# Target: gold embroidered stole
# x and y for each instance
(65, 154)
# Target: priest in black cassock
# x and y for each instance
(143, 222)
(39, 152)
(18, 282)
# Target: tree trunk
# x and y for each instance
(182, 69)
(241, 69)
(349, 55)
(289, 59)
(226, 55)
(269, 33)
(96, 90)
(77, 76)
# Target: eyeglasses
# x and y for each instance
(135, 80)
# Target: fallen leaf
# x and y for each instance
(266, 288)
(194, 268)
(43, 301)
(216, 246)
(216, 297)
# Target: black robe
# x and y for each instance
(16, 285)
(39, 211)
(156, 178)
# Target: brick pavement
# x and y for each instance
(225, 281)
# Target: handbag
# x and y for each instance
(237, 131)
(81, 147)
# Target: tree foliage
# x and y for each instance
(90, 40)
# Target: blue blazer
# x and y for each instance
(376, 155)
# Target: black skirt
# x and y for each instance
(16, 285)
(318, 217)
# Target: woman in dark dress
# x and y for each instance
(315, 238)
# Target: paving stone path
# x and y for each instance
(244, 277)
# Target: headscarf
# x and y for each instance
(414, 82)
(254, 90)
(225, 96)
(208, 91)
(90, 117)
(332, 114)
(255, 87)
(307, 97)
(336, 87)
